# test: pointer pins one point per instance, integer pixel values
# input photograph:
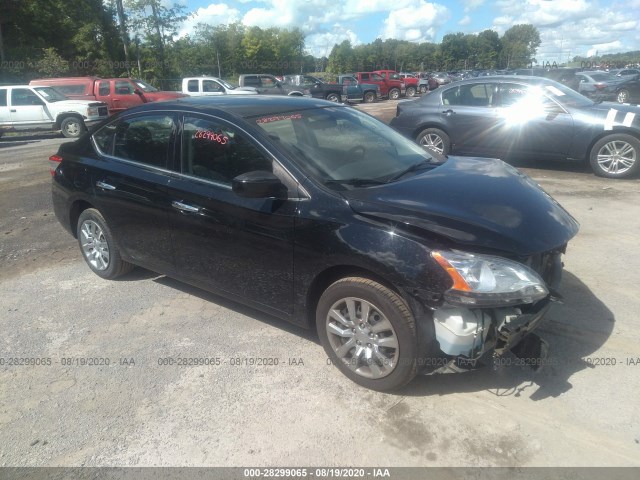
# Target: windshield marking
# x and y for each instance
(277, 118)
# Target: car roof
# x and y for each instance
(503, 78)
(239, 105)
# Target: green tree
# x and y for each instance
(519, 45)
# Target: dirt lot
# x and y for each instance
(581, 410)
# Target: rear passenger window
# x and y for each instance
(145, 139)
(217, 152)
(3, 98)
(192, 86)
(103, 89)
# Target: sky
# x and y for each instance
(567, 27)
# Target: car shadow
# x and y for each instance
(575, 330)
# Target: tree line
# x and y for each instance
(110, 38)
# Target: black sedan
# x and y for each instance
(517, 116)
(323, 216)
(629, 90)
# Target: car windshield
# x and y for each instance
(50, 94)
(343, 147)
(145, 86)
(565, 96)
(227, 84)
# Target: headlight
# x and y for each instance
(488, 281)
(92, 112)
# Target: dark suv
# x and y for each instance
(323, 216)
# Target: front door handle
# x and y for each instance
(448, 112)
(183, 207)
(104, 186)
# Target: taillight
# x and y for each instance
(600, 86)
(54, 161)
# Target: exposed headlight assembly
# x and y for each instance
(488, 281)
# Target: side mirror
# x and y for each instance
(137, 91)
(258, 184)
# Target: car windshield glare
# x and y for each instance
(565, 96)
(338, 144)
(145, 86)
(50, 94)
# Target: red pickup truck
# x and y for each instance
(390, 87)
(118, 93)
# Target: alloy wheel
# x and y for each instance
(616, 157)
(94, 245)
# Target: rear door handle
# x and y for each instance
(13, 110)
(448, 112)
(183, 207)
(104, 186)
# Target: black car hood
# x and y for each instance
(475, 202)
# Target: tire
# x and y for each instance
(333, 97)
(435, 139)
(98, 246)
(72, 127)
(369, 97)
(623, 96)
(615, 156)
(424, 89)
(378, 352)
(394, 94)
(410, 92)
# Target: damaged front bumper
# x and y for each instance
(469, 338)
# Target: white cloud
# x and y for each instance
(417, 23)
(603, 48)
(466, 20)
(213, 14)
(470, 5)
(320, 44)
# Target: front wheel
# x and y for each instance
(623, 96)
(410, 92)
(368, 332)
(72, 127)
(98, 246)
(394, 94)
(369, 97)
(435, 139)
(333, 97)
(424, 89)
(615, 156)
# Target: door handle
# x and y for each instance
(13, 110)
(104, 186)
(183, 207)
(448, 112)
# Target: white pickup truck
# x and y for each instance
(23, 107)
(204, 86)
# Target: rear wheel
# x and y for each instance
(394, 94)
(435, 139)
(410, 91)
(333, 97)
(623, 96)
(72, 127)
(369, 97)
(424, 89)
(615, 156)
(98, 246)
(368, 332)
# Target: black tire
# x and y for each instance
(623, 96)
(72, 127)
(394, 94)
(107, 266)
(410, 92)
(369, 97)
(333, 97)
(615, 156)
(389, 322)
(435, 139)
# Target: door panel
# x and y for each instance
(242, 246)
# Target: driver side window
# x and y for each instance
(217, 152)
